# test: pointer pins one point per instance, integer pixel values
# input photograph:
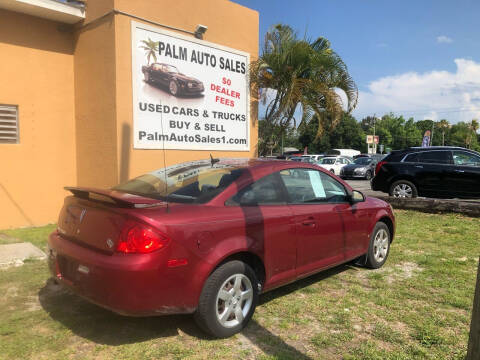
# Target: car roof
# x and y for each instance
(429, 148)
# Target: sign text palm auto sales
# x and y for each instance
(193, 96)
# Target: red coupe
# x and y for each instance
(207, 237)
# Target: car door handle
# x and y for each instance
(419, 166)
(459, 171)
(309, 222)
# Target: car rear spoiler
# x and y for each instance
(119, 198)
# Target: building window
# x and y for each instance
(9, 124)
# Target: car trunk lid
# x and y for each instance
(96, 218)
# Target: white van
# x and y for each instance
(346, 152)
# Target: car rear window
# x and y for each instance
(411, 158)
(193, 182)
(394, 156)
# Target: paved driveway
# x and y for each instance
(364, 187)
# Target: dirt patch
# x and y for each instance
(401, 271)
(33, 304)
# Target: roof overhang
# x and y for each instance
(47, 9)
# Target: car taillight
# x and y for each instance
(141, 239)
(379, 165)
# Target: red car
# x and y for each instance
(207, 237)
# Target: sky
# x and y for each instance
(415, 58)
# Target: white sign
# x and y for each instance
(188, 94)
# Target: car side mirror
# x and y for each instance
(356, 197)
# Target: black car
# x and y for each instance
(168, 75)
(363, 167)
(431, 172)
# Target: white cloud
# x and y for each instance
(443, 39)
(432, 95)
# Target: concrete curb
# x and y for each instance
(465, 207)
(16, 254)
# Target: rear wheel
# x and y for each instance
(403, 189)
(228, 299)
(379, 246)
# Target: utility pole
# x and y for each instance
(374, 144)
(474, 341)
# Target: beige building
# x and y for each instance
(67, 97)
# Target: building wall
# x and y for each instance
(36, 72)
(74, 92)
(95, 104)
(229, 24)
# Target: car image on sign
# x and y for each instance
(207, 237)
(169, 76)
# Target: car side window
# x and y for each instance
(265, 191)
(435, 157)
(465, 159)
(309, 186)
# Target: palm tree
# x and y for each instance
(301, 75)
(443, 125)
(473, 127)
(151, 48)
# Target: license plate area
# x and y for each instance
(67, 268)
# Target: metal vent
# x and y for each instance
(8, 124)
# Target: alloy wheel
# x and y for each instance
(402, 191)
(234, 300)
(173, 87)
(380, 245)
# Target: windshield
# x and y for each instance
(193, 182)
(328, 161)
(363, 161)
(171, 68)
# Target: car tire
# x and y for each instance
(368, 175)
(332, 171)
(379, 247)
(146, 76)
(173, 88)
(403, 189)
(228, 299)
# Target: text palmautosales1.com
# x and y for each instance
(199, 139)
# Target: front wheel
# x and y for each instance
(173, 88)
(368, 175)
(379, 246)
(403, 189)
(228, 299)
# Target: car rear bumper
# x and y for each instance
(128, 284)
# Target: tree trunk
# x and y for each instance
(474, 342)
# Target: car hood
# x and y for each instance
(186, 78)
(356, 166)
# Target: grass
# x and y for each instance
(418, 306)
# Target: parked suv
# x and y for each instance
(432, 172)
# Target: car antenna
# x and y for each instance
(213, 161)
(164, 158)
